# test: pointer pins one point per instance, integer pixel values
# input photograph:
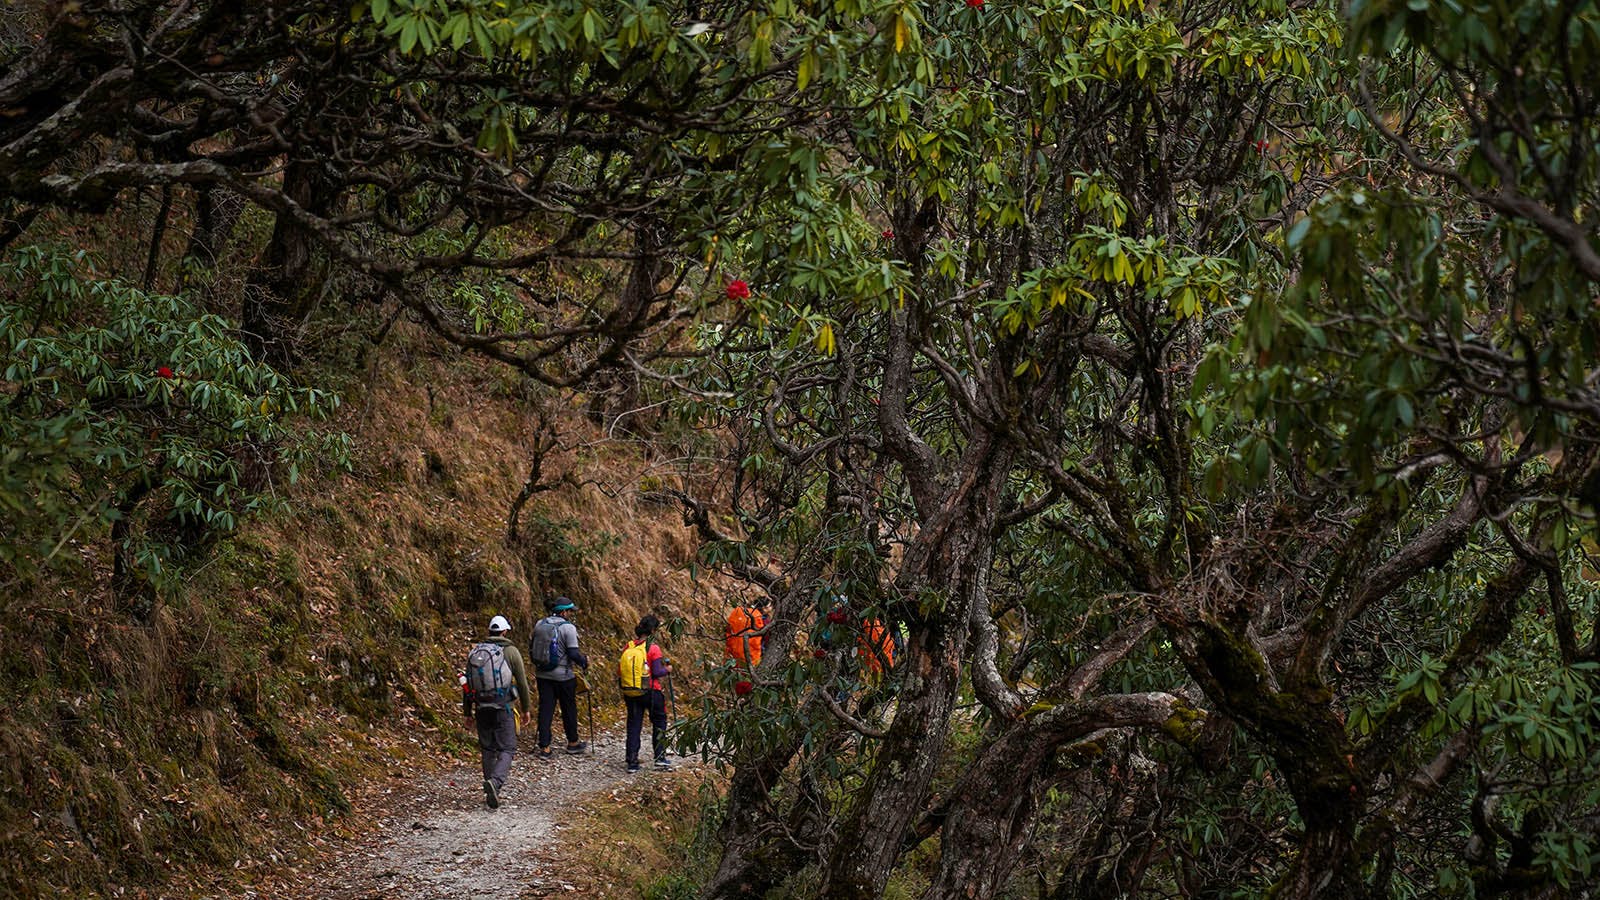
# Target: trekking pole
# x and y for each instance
(591, 722)
(672, 704)
(588, 694)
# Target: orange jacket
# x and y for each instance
(875, 647)
(743, 647)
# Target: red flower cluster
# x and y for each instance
(820, 653)
(1260, 146)
(888, 234)
(738, 290)
(743, 687)
(975, 4)
(837, 617)
(164, 372)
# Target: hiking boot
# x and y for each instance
(490, 795)
(577, 748)
(544, 753)
(633, 767)
(664, 764)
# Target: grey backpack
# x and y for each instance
(489, 676)
(545, 647)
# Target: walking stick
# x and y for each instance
(672, 704)
(591, 722)
(588, 693)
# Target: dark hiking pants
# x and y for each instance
(551, 693)
(497, 738)
(655, 703)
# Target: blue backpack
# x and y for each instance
(489, 676)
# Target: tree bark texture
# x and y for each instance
(748, 868)
(751, 864)
(216, 211)
(282, 292)
(992, 805)
(947, 558)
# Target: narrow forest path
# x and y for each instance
(431, 836)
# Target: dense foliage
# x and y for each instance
(1196, 400)
(136, 413)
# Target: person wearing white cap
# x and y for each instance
(495, 678)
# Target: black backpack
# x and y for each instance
(545, 647)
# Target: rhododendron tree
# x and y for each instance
(1160, 440)
(100, 446)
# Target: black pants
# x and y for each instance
(497, 738)
(656, 704)
(551, 693)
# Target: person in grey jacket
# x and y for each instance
(558, 685)
(497, 729)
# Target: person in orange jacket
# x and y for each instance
(875, 647)
(743, 635)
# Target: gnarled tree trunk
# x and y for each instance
(216, 211)
(993, 805)
(751, 864)
(282, 292)
(950, 555)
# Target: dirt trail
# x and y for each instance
(432, 836)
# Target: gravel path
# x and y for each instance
(432, 836)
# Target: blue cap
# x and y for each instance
(561, 604)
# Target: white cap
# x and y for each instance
(499, 623)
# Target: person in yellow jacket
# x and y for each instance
(652, 702)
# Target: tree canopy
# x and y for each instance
(1164, 434)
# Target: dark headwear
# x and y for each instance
(559, 604)
(647, 626)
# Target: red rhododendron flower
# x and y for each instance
(888, 234)
(738, 290)
(837, 617)
(1261, 146)
(164, 372)
(820, 653)
(743, 687)
(975, 4)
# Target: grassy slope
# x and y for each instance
(647, 839)
(315, 649)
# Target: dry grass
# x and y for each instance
(638, 840)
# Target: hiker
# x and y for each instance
(554, 651)
(743, 635)
(875, 648)
(641, 691)
(495, 678)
